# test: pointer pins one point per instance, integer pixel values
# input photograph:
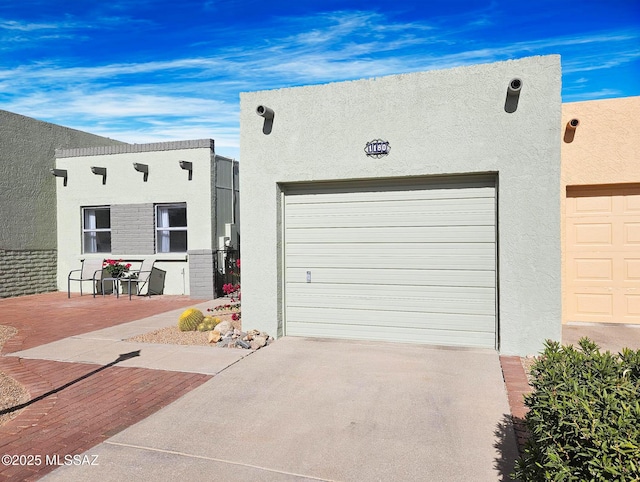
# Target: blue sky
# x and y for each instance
(149, 71)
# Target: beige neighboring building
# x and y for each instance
(601, 211)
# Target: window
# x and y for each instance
(171, 228)
(96, 230)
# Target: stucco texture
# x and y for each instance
(440, 122)
(604, 148)
(27, 189)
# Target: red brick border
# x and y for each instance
(517, 386)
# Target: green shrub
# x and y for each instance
(584, 416)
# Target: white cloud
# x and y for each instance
(25, 26)
(197, 96)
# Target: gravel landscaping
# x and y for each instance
(171, 335)
(11, 392)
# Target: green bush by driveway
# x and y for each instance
(584, 416)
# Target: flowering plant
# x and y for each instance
(230, 288)
(115, 268)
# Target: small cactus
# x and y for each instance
(190, 319)
(208, 323)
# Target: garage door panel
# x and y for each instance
(632, 270)
(415, 261)
(633, 304)
(589, 205)
(403, 335)
(325, 196)
(390, 261)
(592, 233)
(405, 250)
(388, 293)
(413, 234)
(413, 205)
(391, 220)
(396, 317)
(395, 276)
(425, 305)
(593, 269)
(594, 303)
(602, 254)
(632, 204)
(632, 233)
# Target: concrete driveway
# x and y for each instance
(310, 409)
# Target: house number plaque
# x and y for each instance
(377, 148)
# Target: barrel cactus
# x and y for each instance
(208, 323)
(190, 319)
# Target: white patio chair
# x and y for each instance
(91, 271)
(141, 278)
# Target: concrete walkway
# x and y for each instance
(105, 345)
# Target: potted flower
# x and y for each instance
(115, 268)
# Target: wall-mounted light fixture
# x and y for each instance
(570, 131)
(187, 166)
(100, 171)
(143, 168)
(513, 94)
(60, 173)
(268, 115)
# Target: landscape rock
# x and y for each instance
(224, 326)
(214, 336)
(242, 344)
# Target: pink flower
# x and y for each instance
(238, 263)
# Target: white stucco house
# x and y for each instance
(173, 202)
(416, 208)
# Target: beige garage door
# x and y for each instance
(603, 254)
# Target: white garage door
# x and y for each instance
(409, 261)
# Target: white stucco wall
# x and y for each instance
(167, 183)
(439, 122)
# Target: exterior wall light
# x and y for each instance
(143, 168)
(513, 94)
(100, 171)
(268, 115)
(187, 166)
(60, 173)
